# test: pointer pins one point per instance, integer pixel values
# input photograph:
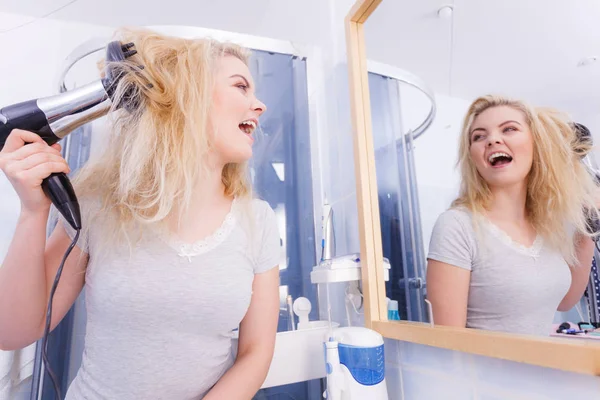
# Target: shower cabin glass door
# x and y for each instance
(282, 176)
(398, 199)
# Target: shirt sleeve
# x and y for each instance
(269, 247)
(452, 240)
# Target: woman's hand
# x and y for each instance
(27, 165)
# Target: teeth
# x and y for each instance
(248, 126)
(250, 123)
(496, 155)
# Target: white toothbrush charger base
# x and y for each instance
(343, 269)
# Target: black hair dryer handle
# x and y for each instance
(60, 191)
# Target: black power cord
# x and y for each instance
(49, 318)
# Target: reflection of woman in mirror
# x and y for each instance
(175, 254)
(513, 248)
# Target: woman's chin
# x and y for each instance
(505, 182)
(240, 157)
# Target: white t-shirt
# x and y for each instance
(513, 288)
(160, 321)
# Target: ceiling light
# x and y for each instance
(445, 12)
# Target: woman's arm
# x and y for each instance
(448, 292)
(26, 277)
(28, 269)
(449, 264)
(256, 343)
(580, 272)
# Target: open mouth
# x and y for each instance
(248, 127)
(499, 159)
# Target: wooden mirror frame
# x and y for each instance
(569, 355)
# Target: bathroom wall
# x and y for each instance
(40, 61)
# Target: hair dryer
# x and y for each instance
(54, 117)
(584, 135)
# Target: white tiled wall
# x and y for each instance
(424, 372)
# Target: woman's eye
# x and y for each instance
(477, 137)
(510, 129)
(243, 87)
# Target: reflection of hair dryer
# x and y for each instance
(584, 135)
(54, 117)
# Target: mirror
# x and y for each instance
(427, 62)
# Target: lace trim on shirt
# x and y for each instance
(533, 251)
(207, 244)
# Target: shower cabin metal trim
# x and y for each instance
(561, 354)
(314, 69)
(411, 80)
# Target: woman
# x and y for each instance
(175, 254)
(514, 246)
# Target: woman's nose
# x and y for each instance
(259, 107)
(493, 139)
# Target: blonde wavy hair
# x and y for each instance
(156, 152)
(559, 188)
